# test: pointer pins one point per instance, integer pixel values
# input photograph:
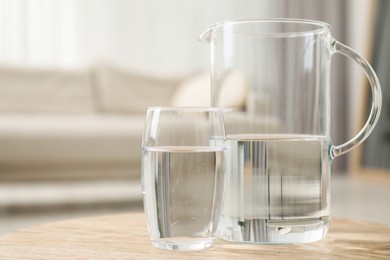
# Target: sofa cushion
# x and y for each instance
(196, 91)
(68, 140)
(40, 90)
(121, 91)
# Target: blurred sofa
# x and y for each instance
(76, 124)
(71, 138)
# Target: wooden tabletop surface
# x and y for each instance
(125, 236)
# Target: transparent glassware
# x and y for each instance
(278, 126)
(183, 176)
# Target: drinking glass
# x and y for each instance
(183, 176)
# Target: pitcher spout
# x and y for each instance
(207, 35)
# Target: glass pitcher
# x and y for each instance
(272, 78)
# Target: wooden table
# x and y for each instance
(125, 236)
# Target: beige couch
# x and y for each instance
(76, 124)
(74, 137)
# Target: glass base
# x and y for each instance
(260, 231)
(186, 245)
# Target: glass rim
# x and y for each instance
(320, 26)
(184, 109)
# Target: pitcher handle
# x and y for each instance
(375, 105)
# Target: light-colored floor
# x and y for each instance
(351, 198)
(360, 199)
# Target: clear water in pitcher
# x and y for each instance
(277, 189)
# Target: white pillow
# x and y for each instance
(234, 90)
(196, 91)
